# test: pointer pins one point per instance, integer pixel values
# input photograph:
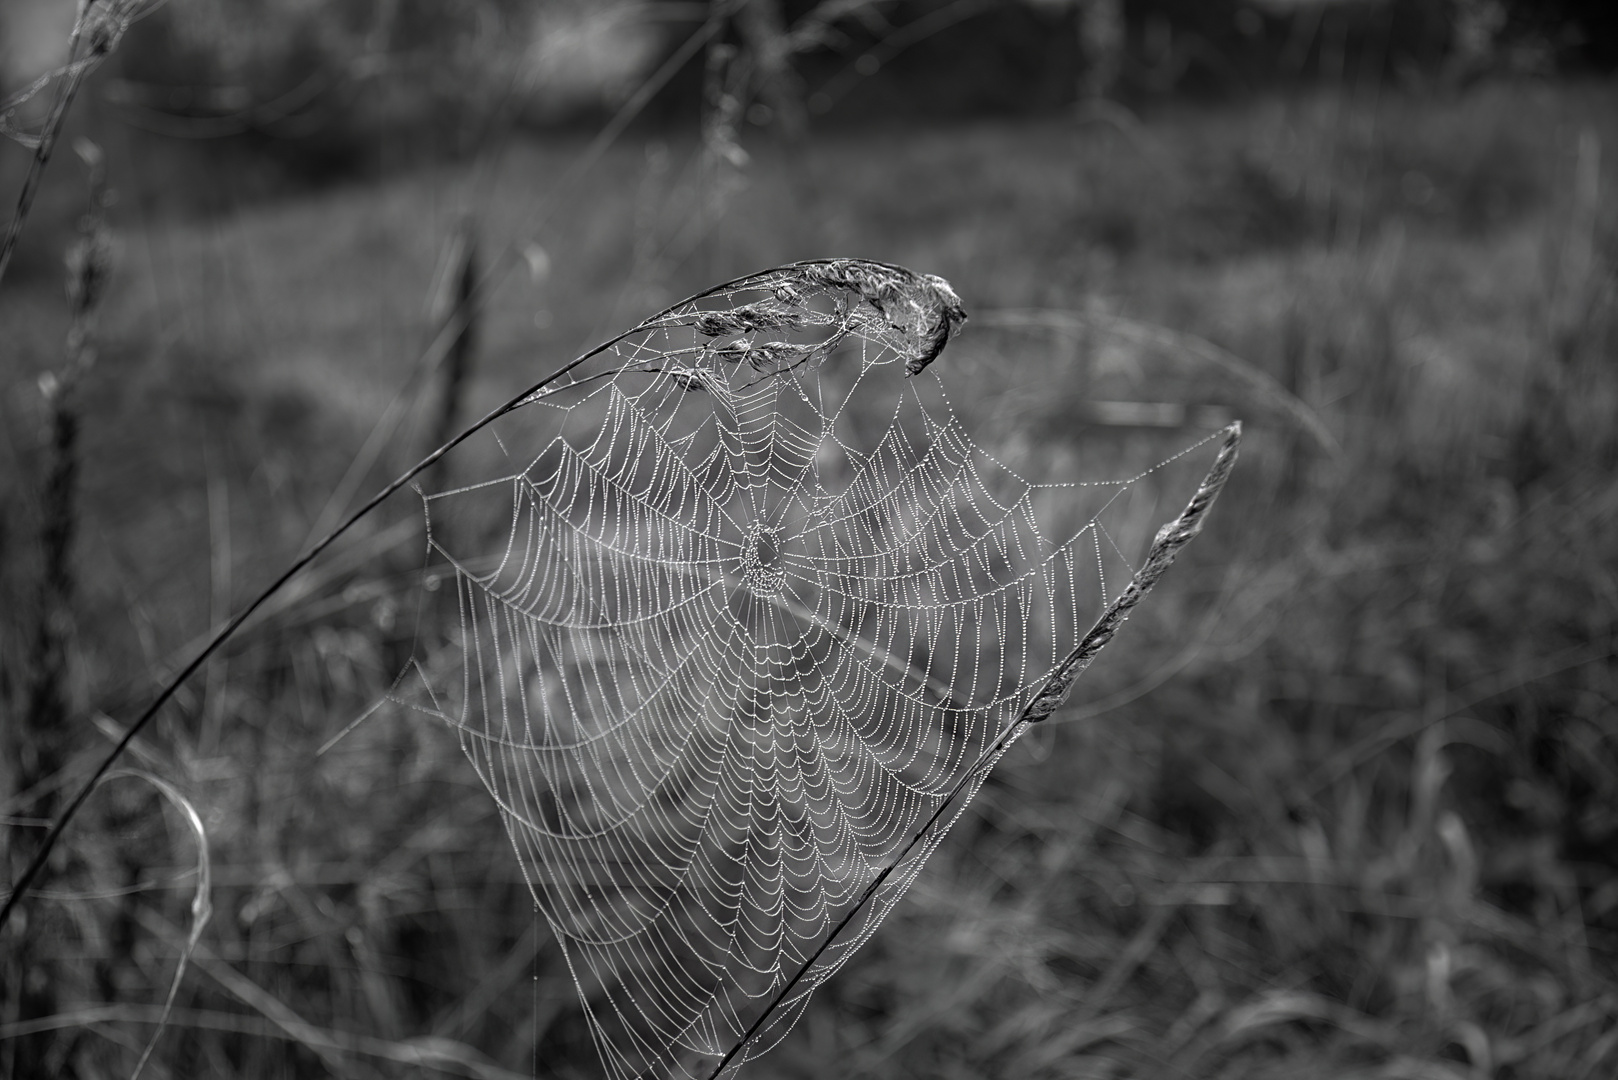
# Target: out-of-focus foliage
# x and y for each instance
(321, 75)
(334, 80)
(1035, 55)
(1336, 804)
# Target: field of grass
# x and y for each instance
(1341, 801)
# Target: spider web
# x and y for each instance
(741, 627)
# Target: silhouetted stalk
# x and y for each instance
(461, 282)
(43, 743)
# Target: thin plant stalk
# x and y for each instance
(458, 303)
(25, 881)
(43, 737)
(97, 30)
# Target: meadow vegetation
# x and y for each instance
(1341, 801)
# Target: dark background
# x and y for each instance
(1340, 802)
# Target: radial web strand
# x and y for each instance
(742, 608)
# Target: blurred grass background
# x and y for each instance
(1342, 801)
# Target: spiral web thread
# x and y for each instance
(747, 609)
